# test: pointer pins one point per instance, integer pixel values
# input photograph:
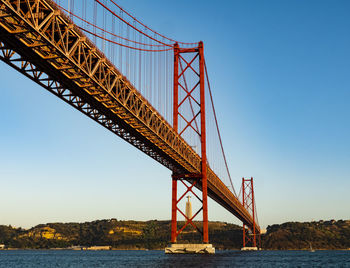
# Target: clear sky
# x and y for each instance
(280, 75)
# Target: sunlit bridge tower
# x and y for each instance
(189, 62)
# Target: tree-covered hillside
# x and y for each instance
(118, 234)
(156, 235)
(300, 235)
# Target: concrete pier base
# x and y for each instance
(249, 248)
(190, 249)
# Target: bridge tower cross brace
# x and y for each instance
(191, 123)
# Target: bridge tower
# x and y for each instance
(250, 235)
(183, 94)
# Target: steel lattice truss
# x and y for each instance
(39, 41)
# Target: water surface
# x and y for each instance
(154, 258)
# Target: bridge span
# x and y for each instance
(40, 41)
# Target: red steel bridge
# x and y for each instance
(133, 81)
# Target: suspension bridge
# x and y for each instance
(150, 90)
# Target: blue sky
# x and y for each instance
(280, 75)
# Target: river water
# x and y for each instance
(154, 258)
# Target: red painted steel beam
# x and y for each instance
(203, 145)
(188, 50)
(174, 211)
(176, 88)
(175, 126)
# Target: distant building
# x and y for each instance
(76, 248)
(98, 248)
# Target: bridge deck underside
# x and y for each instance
(39, 41)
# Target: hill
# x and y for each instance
(118, 234)
(299, 235)
(156, 235)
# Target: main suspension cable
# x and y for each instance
(172, 40)
(136, 29)
(105, 31)
(114, 42)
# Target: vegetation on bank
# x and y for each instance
(118, 234)
(156, 235)
(300, 235)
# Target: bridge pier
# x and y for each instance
(190, 249)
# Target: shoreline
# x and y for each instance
(120, 249)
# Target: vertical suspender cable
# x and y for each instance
(112, 47)
(121, 47)
(140, 64)
(95, 19)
